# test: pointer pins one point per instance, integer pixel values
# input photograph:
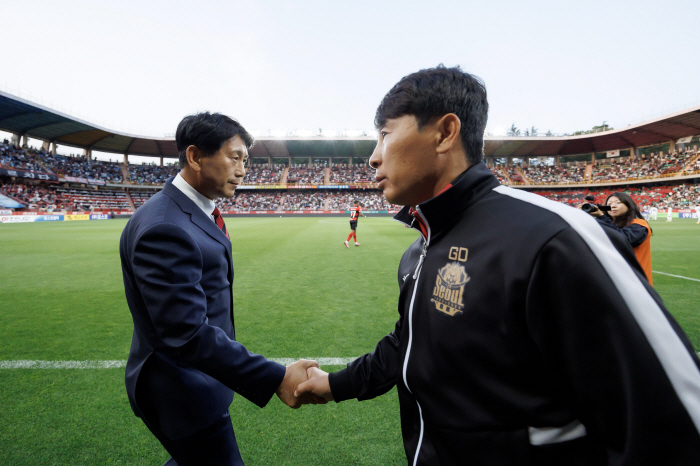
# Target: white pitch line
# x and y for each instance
(677, 276)
(28, 364)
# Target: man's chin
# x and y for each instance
(390, 196)
(229, 191)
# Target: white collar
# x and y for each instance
(204, 203)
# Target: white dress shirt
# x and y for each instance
(204, 203)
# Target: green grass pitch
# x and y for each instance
(298, 293)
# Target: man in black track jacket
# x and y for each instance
(527, 334)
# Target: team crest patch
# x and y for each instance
(448, 294)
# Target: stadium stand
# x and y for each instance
(80, 167)
(247, 201)
(303, 174)
(304, 201)
(655, 168)
(140, 196)
(11, 157)
(35, 197)
(262, 174)
(344, 174)
(606, 170)
(52, 198)
(91, 199)
(370, 200)
(500, 174)
(515, 176)
(151, 174)
(551, 174)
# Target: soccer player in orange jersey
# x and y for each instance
(355, 212)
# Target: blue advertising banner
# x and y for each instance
(49, 218)
(99, 216)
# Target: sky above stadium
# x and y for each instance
(139, 67)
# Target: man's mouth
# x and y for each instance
(381, 180)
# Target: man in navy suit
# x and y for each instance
(185, 365)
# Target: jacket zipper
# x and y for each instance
(416, 276)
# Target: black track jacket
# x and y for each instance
(528, 335)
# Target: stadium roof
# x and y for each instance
(22, 117)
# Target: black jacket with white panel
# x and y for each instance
(528, 335)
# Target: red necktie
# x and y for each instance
(220, 221)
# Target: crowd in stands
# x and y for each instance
(11, 157)
(500, 174)
(262, 174)
(693, 166)
(58, 198)
(684, 196)
(553, 174)
(152, 174)
(654, 167)
(514, 175)
(81, 167)
(245, 201)
(344, 174)
(370, 200)
(62, 198)
(36, 197)
(303, 174)
(304, 201)
(619, 169)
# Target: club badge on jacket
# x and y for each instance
(448, 294)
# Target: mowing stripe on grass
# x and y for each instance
(28, 364)
(677, 276)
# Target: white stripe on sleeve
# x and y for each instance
(675, 359)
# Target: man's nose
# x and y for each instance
(376, 159)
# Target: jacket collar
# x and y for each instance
(197, 215)
(443, 210)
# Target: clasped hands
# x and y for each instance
(304, 383)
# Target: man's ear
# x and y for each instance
(448, 128)
(194, 158)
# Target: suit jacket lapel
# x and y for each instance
(200, 219)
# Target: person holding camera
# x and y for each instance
(626, 218)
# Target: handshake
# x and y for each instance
(304, 383)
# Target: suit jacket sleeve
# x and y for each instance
(167, 265)
(621, 359)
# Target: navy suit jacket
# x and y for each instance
(177, 276)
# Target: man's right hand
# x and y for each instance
(296, 374)
(317, 385)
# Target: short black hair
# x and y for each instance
(434, 92)
(208, 132)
